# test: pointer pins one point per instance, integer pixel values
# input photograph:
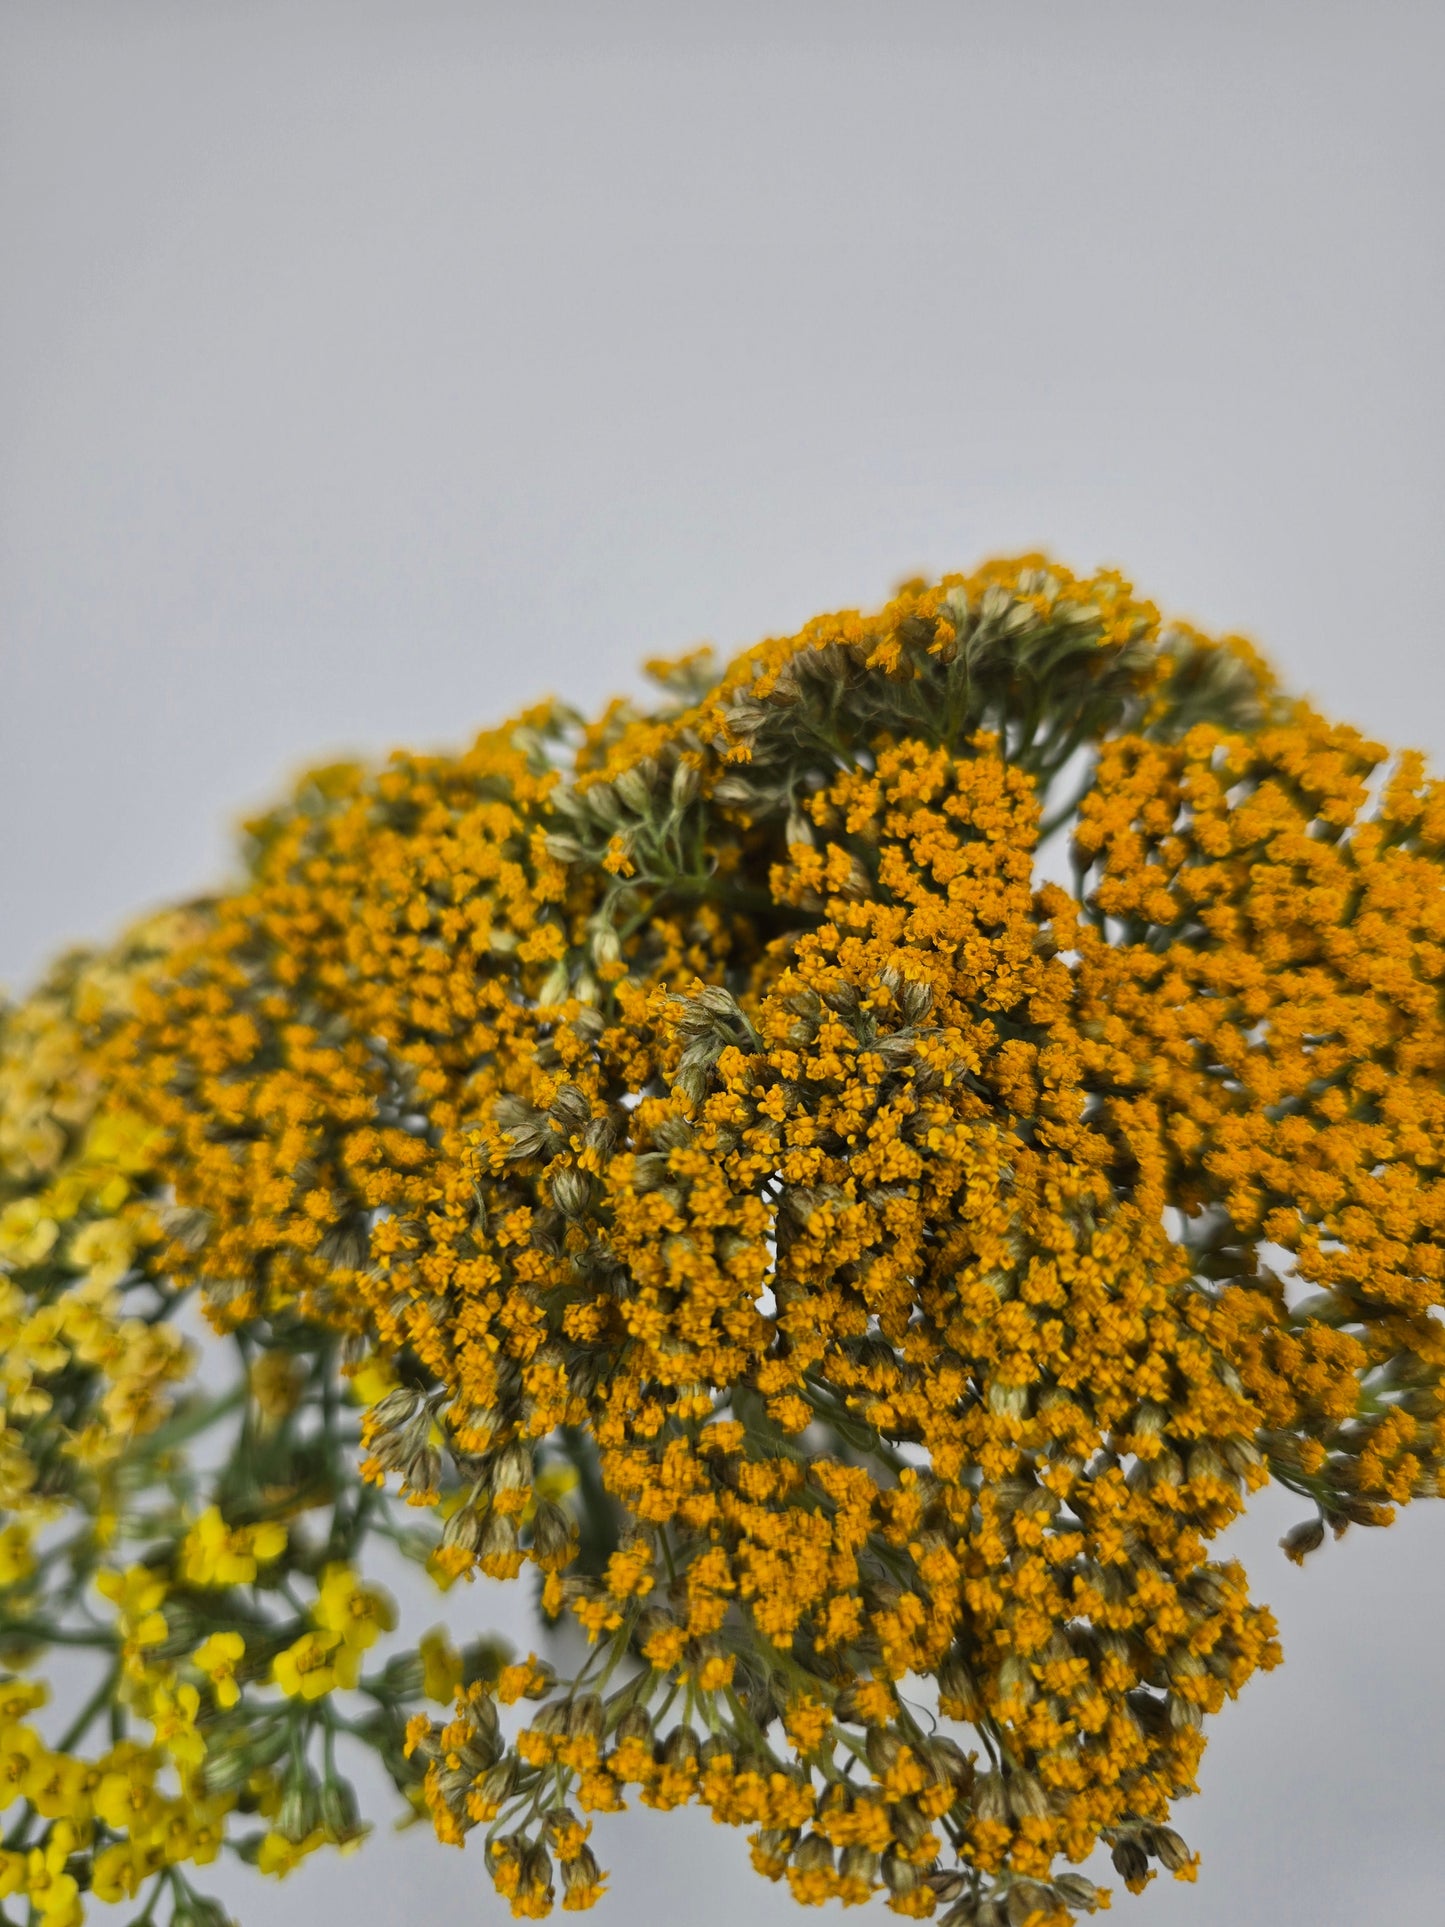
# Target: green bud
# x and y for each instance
(1027, 1799)
(949, 1885)
(552, 1532)
(584, 1717)
(1301, 1540)
(989, 1800)
(1026, 1900)
(910, 1828)
(1130, 1860)
(299, 1807)
(1075, 1891)
(1169, 1849)
(537, 1868)
(635, 1724)
(684, 785)
(199, 1910)
(580, 1872)
(338, 1812)
(571, 1191)
(635, 791)
(899, 1876)
(680, 1748)
(858, 1863)
(813, 1854)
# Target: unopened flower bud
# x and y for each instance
(224, 1770)
(858, 1863)
(1076, 1891)
(989, 1800)
(498, 1541)
(916, 1001)
(199, 1910)
(1241, 1456)
(1027, 1799)
(813, 1854)
(581, 1871)
(957, 1685)
(899, 1875)
(778, 1842)
(632, 787)
(684, 785)
(1184, 1715)
(554, 987)
(497, 1782)
(421, 1471)
(553, 1535)
(606, 946)
(1301, 1540)
(635, 1724)
(1028, 1900)
(950, 1762)
(571, 1190)
(396, 1409)
(910, 1828)
(297, 1814)
(584, 1717)
(512, 1468)
(948, 1883)
(601, 800)
(1130, 1860)
(338, 1814)
(1169, 1849)
(1016, 1680)
(964, 1914)
(464, 1528)
(680, 1748)
(537, 1869)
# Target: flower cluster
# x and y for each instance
(859, 1276)
(176, 1598)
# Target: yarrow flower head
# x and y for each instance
(861, 1274)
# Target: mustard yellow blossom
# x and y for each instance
(316, 1664)
(218, 1657)
(215, 1554)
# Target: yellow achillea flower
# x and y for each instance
(17, 1557)
(279, 1856)
(218, 1657)
(106, 1506)
(828, 1250)
(316, 1664)
(358, 1613)
(215, 1554)
(441, 1666)
(137, 1594)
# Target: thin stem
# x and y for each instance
(94, 1705)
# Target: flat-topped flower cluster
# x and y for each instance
(861, 1276)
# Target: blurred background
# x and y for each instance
(367, 371)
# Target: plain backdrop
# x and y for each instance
(366, 371)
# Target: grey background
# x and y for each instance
(367, 371)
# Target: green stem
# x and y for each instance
(97, 1701)
(186, 1424)
(56, 1635)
